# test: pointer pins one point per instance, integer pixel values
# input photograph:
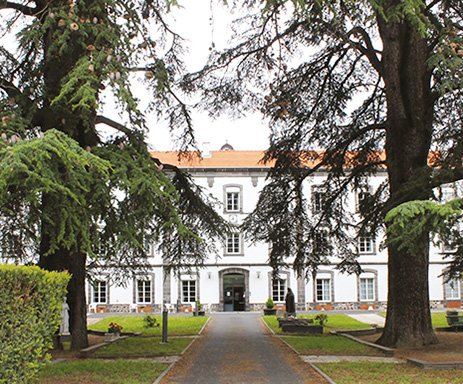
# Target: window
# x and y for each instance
(367, 289)
(149, 248)
(188, 291)
(366, 244)
(321, 238)
(233, 201)
(323, 289)
(452, 289)
(318, 199)
(233, 195)
(99, 291)
(278, 290)
(362, 198)
(233, 244)
(144, 291)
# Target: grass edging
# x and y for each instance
(322, 374)
(433, 365)
(318, 370)
(204, 326)
(389, 352)
(86, 351)
(267, 326)
(160, 377)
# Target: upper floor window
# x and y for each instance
(188, 291)
(144, 290)
(367, 289)
(278, 290)
(366, 245)
(149, 248)
(233, 198)
(233, 201)
(318, 199)
(233, 244)
(452, 289)
(100, 291)
(323, 289)
(362, 198)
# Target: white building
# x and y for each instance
(239, 278)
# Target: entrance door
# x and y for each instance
(233, 292)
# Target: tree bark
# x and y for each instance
(410, 106)
(77, 302)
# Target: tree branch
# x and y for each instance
(369, 51)
(105, 120)
(11, 90)
(24, 9)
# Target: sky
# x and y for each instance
(201, 25)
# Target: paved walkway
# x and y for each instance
(237, 348)
(369, 318)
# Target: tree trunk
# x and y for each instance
(73, 262)
(408, 138)
(77, 302)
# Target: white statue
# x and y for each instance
(64, 327)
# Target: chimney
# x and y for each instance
(206, 149)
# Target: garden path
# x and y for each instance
(238, 348)
(369, 318)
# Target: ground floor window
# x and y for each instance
(452, 289)
(188, 291)
(367, 289)
(278, 290)
(323, 287)
(100, 290)
(144, 289)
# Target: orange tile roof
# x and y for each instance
(237, 159)
(218, 159)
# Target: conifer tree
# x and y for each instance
(353, 87)
(66, 193)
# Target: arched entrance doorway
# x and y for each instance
(234, 292)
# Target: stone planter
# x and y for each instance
(302, 329)
(111, 336)
(270, 312)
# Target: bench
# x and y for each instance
(454, 320)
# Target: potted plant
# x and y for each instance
(200, 309)
(269, 310)
(114, 331)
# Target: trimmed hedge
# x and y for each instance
(30, 313)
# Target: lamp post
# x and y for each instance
(164, 323)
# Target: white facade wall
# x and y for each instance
(250, 267)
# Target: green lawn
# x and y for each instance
(438, 319)
(101, 372)
(329, 345)
(178, 325)
(143, 347)
(385, 373)
(341, 322)
(335, 322)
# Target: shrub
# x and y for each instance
(269, 303)
(30, 313)
(322, 319)
(150, 322)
